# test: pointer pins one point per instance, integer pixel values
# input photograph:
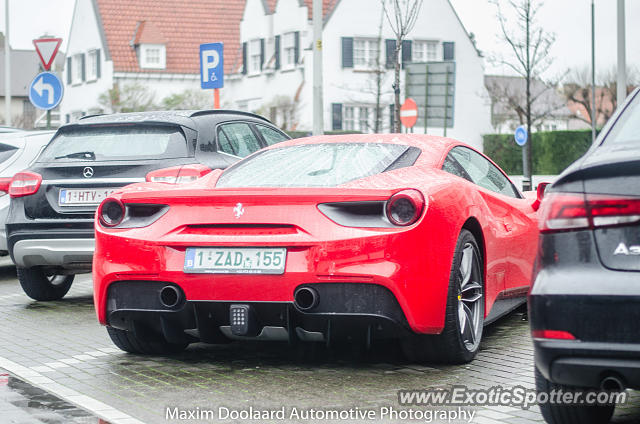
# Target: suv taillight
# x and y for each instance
(178, 174)
(573, 211)
(4, 184)
(24, 183)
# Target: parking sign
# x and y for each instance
(211, 66)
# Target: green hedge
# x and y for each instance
(553, 151)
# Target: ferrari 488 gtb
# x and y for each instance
(319, 239)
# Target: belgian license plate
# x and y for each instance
(89, 196)
(245, 260)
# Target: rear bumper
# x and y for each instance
(66, 253)
(356, 311)
(599, 307)
(587, 364)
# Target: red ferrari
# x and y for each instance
(320, 239)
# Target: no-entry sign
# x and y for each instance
(409, 113)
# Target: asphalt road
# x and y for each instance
(59, 350)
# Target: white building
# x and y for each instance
(143, 51)
(275, 74)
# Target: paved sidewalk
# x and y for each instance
(23, 403)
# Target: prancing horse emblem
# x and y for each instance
(87, 172)
(238, 210)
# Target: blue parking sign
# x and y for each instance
(211, 66)
(45, 91)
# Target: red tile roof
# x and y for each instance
(184, 24)
(327, 6)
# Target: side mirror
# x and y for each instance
(542, 187)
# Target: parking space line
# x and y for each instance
(100, 409)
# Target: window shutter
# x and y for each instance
(261, 53)
(406, 51)
(82, 58)
(277, 51)
(390, 47)
(448, 50)
(347, 52)
(244, 58)
(69, 70)
(297, 47)
(336, 116)
(392, 117)
(98, 64)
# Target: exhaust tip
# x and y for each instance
(306, 298)
(170, 296)
(612, 384)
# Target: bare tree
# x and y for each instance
(577, 89)
(508, 100)
(188, 99)
(380, 71)
(529, 47)
(283, 111)
(128, 98)
(402, 16)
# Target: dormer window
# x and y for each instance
(153, 56)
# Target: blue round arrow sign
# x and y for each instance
(521, 135)
(45, 91)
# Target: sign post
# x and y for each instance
(47, 48)
(521, 136)
(432, 86)
(212, 70)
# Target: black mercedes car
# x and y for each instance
(50, 223)
(584, 306)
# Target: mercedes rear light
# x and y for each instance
(24, 183)
(178, 174)
(573, 211)
(552, 334)
(4, 184)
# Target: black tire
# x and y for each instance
(39, 285)
(456, 345)
(127, 341)
(554, 413)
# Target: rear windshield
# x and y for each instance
(312, 165)
(116, 143)
(627, 128)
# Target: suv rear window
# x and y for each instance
(627, 128)
(312, 165)
(117, 143)
(6, 151)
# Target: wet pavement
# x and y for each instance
(21, 402)
(60, 348)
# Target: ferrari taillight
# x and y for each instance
(405, 207)
(572, 211)
(24, 183)
(111, 212)
(178, 174)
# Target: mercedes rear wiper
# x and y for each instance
(78, 155)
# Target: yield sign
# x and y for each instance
(47, 49)
(409, 113)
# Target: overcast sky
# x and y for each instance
(568, 19)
